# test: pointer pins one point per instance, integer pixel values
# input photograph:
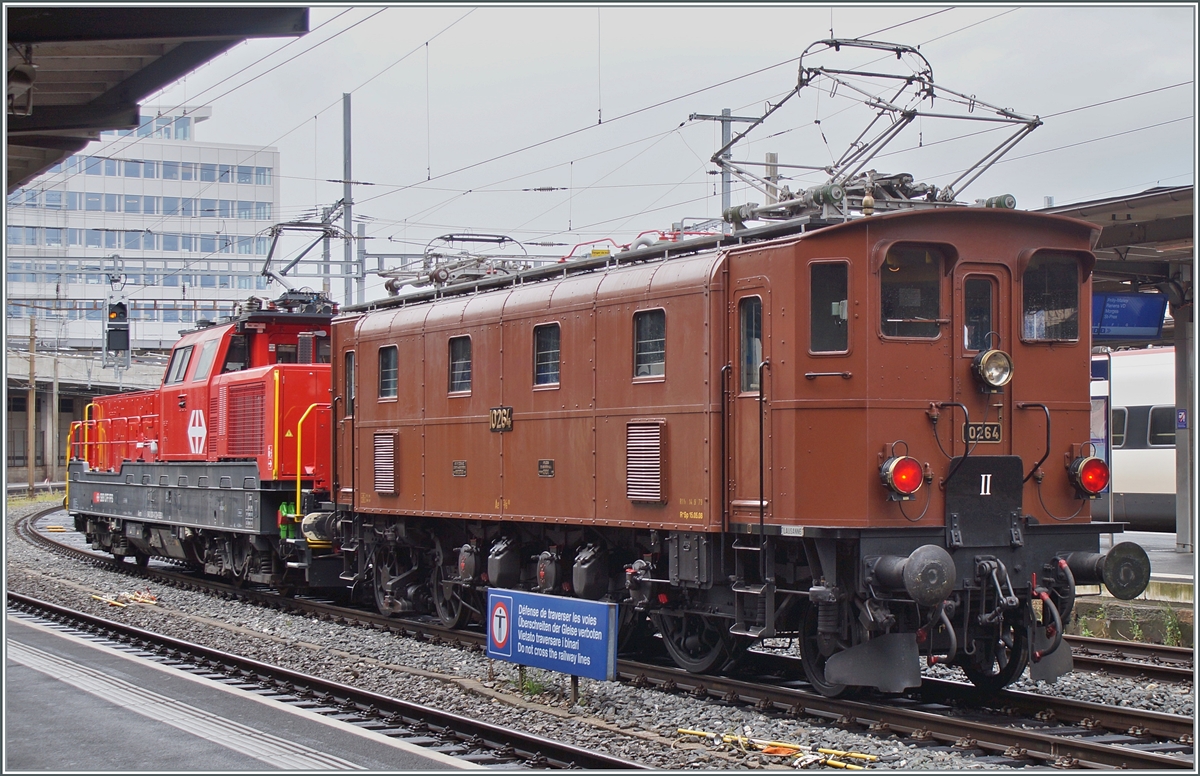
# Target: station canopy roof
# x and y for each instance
(1145, 236)
(74, 72)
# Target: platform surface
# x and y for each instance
(73, 704)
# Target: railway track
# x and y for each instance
(1011, 727)
(451, 734)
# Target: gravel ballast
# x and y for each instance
(637, 724)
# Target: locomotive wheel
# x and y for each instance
(1003, 659)
(243, 556)
(141, 559)
(447, 599)
(696, 643)
(811, 657)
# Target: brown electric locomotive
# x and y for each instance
(872, 437)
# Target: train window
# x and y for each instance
(285, 354)
(179, 364)
(1050, 287)
(829, 308)
(977, 313)
(650, 343)
(237, 356)
(324, 349)
(750, 323)
(1119, 416)
(349, 383)
(546, 354)
(389, 372)
(911, 292)
(204, 364)
(1162, 426)
(460, 364)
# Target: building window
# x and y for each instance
(92, 166)
(650, 343)
(829, 332)
(245, 210)
(170, 171)
(54, 237)
(208, 173)
(92, 201)
(389, 372)
(911, 292)
(133, 169)
(208, 208)
(260, 245)
(183, 128)
(262, 176)
(15, 235)
(54, 200)
(170, 206)
(1162, 426)
(546, 354)
(188, 207)
(31, 198)
(133, 203)
(188, 171)
(460, 364)
(74, 200)
(245, 174)
(110, 240)
(31, 235)
(225, 173)
(1050, 290)
(145, 126)
(112, 167)
(245, 245)
(226, 208)
(149, 169)
(133, 241)
(92, 238)
(149, 205)
(208, 243)
(112, 203)
(170, 242)
(750, 326)
(262, 211)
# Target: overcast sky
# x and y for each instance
(456, 109)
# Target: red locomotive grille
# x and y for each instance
(385, 463)
(245, 422)
(643, 462)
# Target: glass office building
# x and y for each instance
(179, 227)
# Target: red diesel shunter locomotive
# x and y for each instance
(872, 437)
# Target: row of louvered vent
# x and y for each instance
(643, 462)
(246, 422)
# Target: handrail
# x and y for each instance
(87, 412)
(275, 455)
(299, 448)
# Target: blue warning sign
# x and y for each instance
(569, 635)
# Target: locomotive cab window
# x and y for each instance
(910, 284)
(285, 354)
(1050, 291)
(389, 372)
(237, 357)
(750, 325)
(178, 366)
(204, 364)
(829, 308)
(460, 364)
(349, 383)
(650, 343)
(977, 313)
(546, 354)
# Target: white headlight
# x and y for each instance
(993, 368)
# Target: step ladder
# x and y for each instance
(754, 601)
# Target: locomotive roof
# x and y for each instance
(802, 228)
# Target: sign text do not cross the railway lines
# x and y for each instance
(569, 635)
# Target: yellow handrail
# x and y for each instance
(275, 456)
(299, 447)
(87, 412)
(75, 424)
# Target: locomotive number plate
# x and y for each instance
(500, 419)
(981, 432)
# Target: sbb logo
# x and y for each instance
(197, 432)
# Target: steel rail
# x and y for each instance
(532, 749)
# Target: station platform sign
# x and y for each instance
(568, 635)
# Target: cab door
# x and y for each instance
(748, 393)
(981, 322)
(347, 375)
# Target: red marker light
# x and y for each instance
(902, 475)
(1089, 475)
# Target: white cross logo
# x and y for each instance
(197, 432)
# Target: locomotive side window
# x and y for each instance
(1119, 416)
(829, 308)
(460, 364)
(1050, 287)
(650, 343)
(1162, 426)
(911, 292)
(349, 383)
(977, 313)
(178, 366)
(750, 324)
(546, 354)
(285, 354)
(204, 365)
(389, 372)
(237, 356)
